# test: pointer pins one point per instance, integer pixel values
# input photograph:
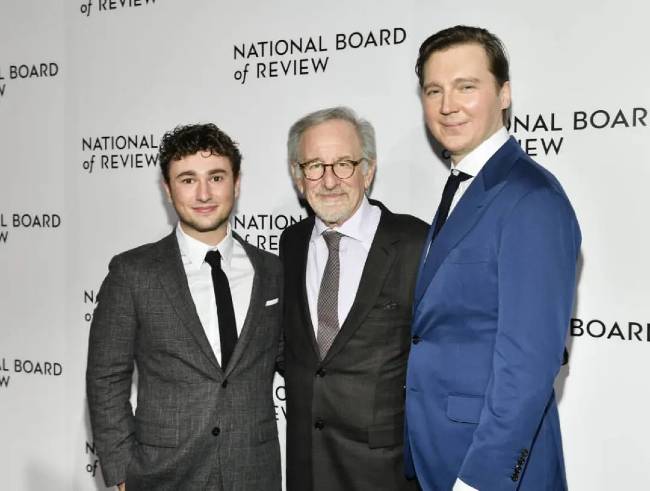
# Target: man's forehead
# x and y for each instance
(202, 161)
(465, 55)
(331, 133)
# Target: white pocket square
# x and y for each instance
(273, 301)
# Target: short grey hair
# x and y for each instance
(365, 131)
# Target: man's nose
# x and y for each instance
(203, 190)
(329, 178)
(448, 103)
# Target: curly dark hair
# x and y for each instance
(190, 139)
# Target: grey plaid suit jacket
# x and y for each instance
(197, 425)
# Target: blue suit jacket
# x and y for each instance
(492, 306)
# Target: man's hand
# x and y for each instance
(121, 486)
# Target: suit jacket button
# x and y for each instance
(321, 372)
(216, 431)
(319, 424)
(416, 339)
(224, 384)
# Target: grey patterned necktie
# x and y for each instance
(328, 295)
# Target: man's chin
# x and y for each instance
(203, 227)
(331, 217)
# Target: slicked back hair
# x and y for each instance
(453, 36)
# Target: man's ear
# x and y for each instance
(505, 95)
(167, 189)
(296, 175)
(369, 175)
(237, 185)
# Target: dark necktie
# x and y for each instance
(328, 295)
(453, 181)
(225, 310)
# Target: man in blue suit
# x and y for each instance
(494, 292)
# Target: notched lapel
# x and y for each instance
(381, 257)
(174, 283)
(255, 305)
(483, 189)
(299, 264)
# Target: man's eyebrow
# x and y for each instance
(186, 173)
(429, 85)
(455, 81)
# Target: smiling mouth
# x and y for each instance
(204, 210)
(453, 125)
(331, 196)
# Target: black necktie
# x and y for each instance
(454, 180)
(225, 310)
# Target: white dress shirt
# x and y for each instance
(358, 233)
(474, 161)
(238, 269)
(472, 164)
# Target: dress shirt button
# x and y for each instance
(321, 372)
(319, 424)
(224, 384)
(416, 339)
(216, 431)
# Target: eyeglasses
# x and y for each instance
(343, 169)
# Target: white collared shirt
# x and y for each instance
(358, 233)
(238, 269)
(474, 161)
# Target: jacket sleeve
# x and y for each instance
(109, 372)
(538, 249)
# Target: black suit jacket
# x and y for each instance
(197, 425)
(345, 413)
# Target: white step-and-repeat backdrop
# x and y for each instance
(87, 88)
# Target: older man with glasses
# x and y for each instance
(349, 280)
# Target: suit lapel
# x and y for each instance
(301, 252)
(378, 264)
(487, 184)
(174, 283)
(255, 304)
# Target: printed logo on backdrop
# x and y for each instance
(546, 134)
(13, 369)
(18, 222)
(104, 6)
(89, 300)
(305, 56)
(261, 229)
(119, 152)
(279, 401)
(19, 73)
(612, 331)
(92, 467)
